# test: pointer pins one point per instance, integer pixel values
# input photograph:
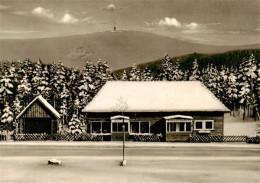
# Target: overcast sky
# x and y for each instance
(215, 22)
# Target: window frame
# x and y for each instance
(171, 123)
(120, 119)
(139, 127)
(204, 125)
(112, 129)
(91, 129)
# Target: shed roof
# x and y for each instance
(155, 96)
(44, 102)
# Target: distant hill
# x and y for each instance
(120, 49)
(230, 59)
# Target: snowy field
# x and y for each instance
(236, 126)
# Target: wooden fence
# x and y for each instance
(57, 137)
(253, 140)
(224, 139)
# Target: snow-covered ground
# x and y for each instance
(82, 169)
(236, 126)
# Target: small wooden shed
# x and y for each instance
(38, 117)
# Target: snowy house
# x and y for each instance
(175, 109)
(38, 117)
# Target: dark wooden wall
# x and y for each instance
(37, 110)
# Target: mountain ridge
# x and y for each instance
(120, 49)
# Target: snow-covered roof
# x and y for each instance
(45, 103)
(155, 96)
(178, 116)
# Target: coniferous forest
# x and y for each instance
(69, 90)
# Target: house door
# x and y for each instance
(38, 125)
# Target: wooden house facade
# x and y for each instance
(38, 117)
(175, 110)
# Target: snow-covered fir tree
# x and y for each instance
(17, 107)
(75, 125)
(37, 78)
(194, 72)
(57, 83)
(147, 75)
(166, 69)
(73, 85)
(211, 79)
(124, 76)
(177, 74)
(232, 90)
(64, 96)
(247, 76)
(27, 68)
(13, 73)
(102, 74)
(6, 87)
(134, 74)
(76, 106)
(86, 86)
(44, 88)
(24, 90)
(53, 93)
(7, 118)
(223, 85)
(64, 111)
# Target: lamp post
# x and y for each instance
(121, 106)
(123, 144)
(124, 161)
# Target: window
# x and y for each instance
(96, 127)
(106, 127)
(100, 127)
(199, 125)
(178, 126)
(208, 124)
(118, 122)
(118, 127)
(182, 127)
(204, 125)
(188, 127)
(144, 127)
(140, 127)
(135, 127)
